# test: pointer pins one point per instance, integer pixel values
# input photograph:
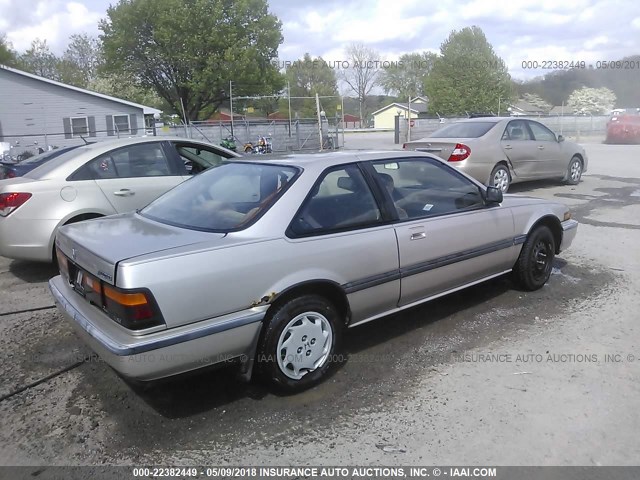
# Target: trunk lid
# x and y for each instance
(442, 147)
(98, 245)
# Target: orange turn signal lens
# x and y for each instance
(63, 265)
(567, 216)
(126, 299)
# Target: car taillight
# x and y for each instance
(10, 201)
(460, 152)
(134, 310)
(63, 264)
(404, 146)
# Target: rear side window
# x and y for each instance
(224, 198)
(464, 130)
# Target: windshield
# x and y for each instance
(463, 130)
(224, 198)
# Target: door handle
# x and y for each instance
(418, 236)
(540, 147)
(507, 147)
(125, 192)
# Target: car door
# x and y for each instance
(519, 147)
(549, 151)
(131, 177)
(447, 236)
(340, 229)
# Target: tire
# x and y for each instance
(534, 265)
(500, 177)
(313, 328)
(574, 171)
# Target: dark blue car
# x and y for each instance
(18, 169)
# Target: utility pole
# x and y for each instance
(409, 121)
(319, 119)
(342, 110)
(231, 105)
(184, 116)
(289, 100)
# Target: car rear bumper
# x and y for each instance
(159, 354)
(569, 230)
(27, 239)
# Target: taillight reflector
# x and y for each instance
(125, 299)
(10, 201)
(460, 152)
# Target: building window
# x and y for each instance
(121, 123)
(79, 126)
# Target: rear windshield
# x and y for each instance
(46, 156)
(463, 130)
(223, 198)
(53, 163)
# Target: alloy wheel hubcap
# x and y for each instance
(576, 170)
(304, 344)
(501, 180)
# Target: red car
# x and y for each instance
(623, 129)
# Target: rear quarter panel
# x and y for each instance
(190, 286)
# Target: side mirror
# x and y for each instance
(560, 138)
(493, 195)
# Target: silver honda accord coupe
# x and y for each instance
(501, 151)
(93, 181)
(268, 262)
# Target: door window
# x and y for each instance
(542, 133)
(197, 158)
(143, 160)
(340, 201)
(423, 188)
(517, 130)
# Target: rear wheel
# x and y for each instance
(574, 171)
(533, 268)
(500, 177)
(297, 348)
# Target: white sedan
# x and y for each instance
(93, 181)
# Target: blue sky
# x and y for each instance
(578, 30)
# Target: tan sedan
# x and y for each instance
(501, 151)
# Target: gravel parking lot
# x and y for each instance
(490, 375)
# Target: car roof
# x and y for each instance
(70, 161)
(335, 158)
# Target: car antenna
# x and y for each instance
(84, 140)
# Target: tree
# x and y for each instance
(39, 60)
(405, 78)
(596, 101)
(80, 61)
(120, 86)
(7, 54)
(307, 77)
(467, 76)
(362, 74)
(536, 101)
(189, 50)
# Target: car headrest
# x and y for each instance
(517, 133)
(347, 183)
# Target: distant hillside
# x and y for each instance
(623, 78)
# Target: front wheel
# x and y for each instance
(298, 346)
(533, 268)
(500, 178)
(574, 171)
